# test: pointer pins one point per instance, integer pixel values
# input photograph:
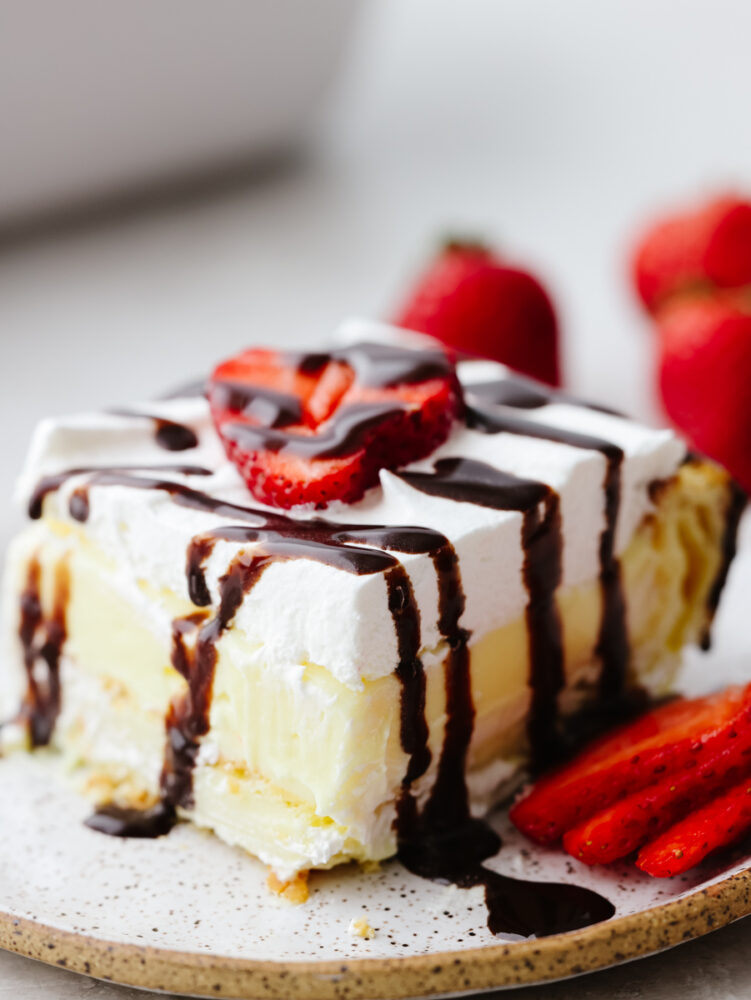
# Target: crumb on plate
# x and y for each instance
(294, 891)
(359, 927)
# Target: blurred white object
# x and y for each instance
(96, 95)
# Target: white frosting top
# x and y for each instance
(307, 612)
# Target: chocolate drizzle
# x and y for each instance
(270, 414)
(188, 714)
(348, 431)
(413, 729)
(382, 365)
(115, 475)
(527, 394)
(167, 433)
(612, 643)
(470, 481)
(42, 639)
(269, 407)
(445, 842)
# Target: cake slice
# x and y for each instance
(317, 686)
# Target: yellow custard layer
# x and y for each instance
(302, 770)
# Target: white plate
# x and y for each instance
(175, 912)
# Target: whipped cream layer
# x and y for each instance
(304, 611)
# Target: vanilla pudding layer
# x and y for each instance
(303, 762)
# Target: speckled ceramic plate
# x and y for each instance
(190, 915)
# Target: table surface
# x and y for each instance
(555, 129)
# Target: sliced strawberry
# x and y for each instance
(619, 830)
(721, 822)
(706, 248)
(312, 429)
(673, 738)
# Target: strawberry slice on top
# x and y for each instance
(314, 428)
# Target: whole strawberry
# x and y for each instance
(476, 304)
(705, 376)
(709, 248)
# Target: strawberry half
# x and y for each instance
(719, 823)
(702, 249)
(310, 429)
(669, 740)
(475, 303)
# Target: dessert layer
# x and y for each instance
(298, 767)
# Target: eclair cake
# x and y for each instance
(338, 681)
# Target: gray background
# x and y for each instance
(554, 128)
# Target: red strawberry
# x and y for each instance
(473, 302)
(722, 821)
(666, 741)
(710, 247)
(705, 375)
(617, 831)
(309, 430)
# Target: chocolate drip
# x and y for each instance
(522, 393)
(188, 714)
(348, 431)
(612, 643)
(167, 433)
(199, 550)
(267, 406)
(736, 505)
(116, 475)
(381, 365)
(78, 504)
(527, 394)
(469, 481)
(444, 842)
(414, 727)
(272, 412)
(42, 641)
(187, 718)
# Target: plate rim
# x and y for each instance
(492, 967)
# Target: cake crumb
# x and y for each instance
(359, 927)
(295, 890)
(120, 788)
(370, 867)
